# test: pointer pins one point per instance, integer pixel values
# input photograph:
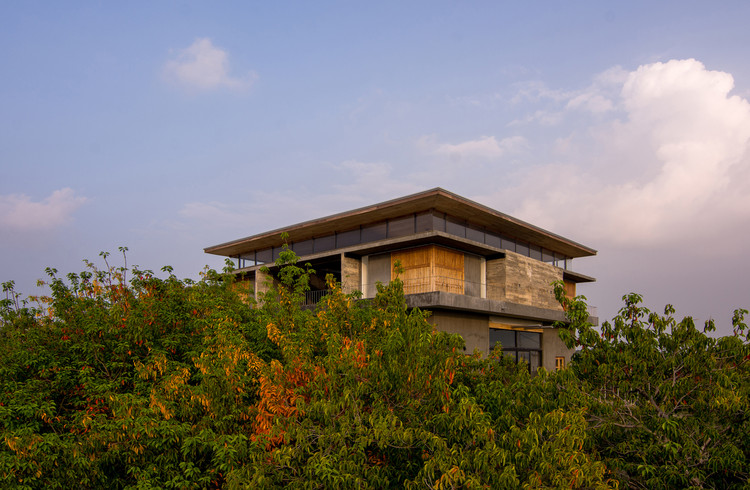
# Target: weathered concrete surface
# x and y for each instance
(553, 346)
(263, 282)
(473, 328)
(522, 280)
(351, 274)
(448, 301)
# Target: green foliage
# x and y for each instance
(667, 404)
(121, 379)
(109, 384)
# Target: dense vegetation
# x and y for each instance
(121, 379)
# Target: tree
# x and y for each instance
(667, 404)
(115, 384)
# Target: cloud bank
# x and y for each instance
(674, 168)
(203, 67)
(18, 213)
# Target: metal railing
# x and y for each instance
(313, 297)
(435, 283)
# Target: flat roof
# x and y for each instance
(436, 199)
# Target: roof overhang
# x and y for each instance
(436, 199)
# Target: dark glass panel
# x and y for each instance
(438, 222)
(506, 337)
(373, 232)
(276, 252)
(529, 340)
(475, 233)
(401, 226)
(522, 248)
(347, 238)
(264, 256)
(455, 226)
(324, 243)
(303, 248)
(535, 252)
(535, 360)
(493, 240)
(508, 243)
(548, 256)
(524, 356)
(424, 222)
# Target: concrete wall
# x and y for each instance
(522, 280)
(472, 275)
(553, 347)
(378, 269)
(473, 328)
(351, 274)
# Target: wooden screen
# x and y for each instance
(449, 270)
(430, 269)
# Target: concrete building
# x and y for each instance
(481, 273)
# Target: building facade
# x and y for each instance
(482, 274)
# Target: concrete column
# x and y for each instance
(351, 274)
(263, 283)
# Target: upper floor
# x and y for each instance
(454, 254)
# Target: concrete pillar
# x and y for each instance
(263, 282)
(351, 274)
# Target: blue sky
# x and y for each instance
(167, 127)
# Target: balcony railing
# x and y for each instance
(436, 283)
(313, 297)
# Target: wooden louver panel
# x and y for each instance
(430, 268)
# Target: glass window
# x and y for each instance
(438, 222)
(522, 248)
(324, 243)
(264, 256)
(401, 226)
(535, 252)
(535, 360)
(303, 248)
(247, 260)
(529, 340)
(493, 240)
(519, 345)
(455, 226)
(559, 363)
(507, 338)
(348, 238)
(548, 256)
(276, 252)
(508, 243)
(424, 222)
(374, 232)
(474, 232)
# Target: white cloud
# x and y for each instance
(19, 213)
(203, 66)
(591, 102)
(483, 148)
(685, 142)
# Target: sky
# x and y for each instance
(167, 127)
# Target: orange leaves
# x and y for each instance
(274, 334)
(359, 355)
(280, 390)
